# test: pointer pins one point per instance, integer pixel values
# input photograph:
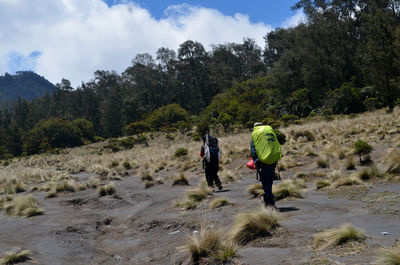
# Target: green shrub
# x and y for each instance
(181, 151)
(86, 128)
(167, 116)
(202, 128)
(126, 165)
(362, 148)
(53, 133)
(137, 128)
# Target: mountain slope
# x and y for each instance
(24, 84)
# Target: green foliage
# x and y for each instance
(181, 151)
(4, 153)
(346, 99)
(52, 133)
(225, 119)
(137, 128)
(362, 148)
(86, 128)
(372, 103)
(168, 115)
(202, 128)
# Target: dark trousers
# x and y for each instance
(266, 173)
(211, 170)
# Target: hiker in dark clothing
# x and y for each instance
(210, 154)
(266, 172)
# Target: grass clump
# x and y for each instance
(392, 158)
(15, 256)
(180, 152)
(347, 181)
(306, 133)
(25, 206)
(249, 226)
(51, 194)
(319, 184)
(148, 184)
(66, 185)
(186, 204)
(146, 176)
(19, 187)
(127, 165)
(349, 164)
(209, 243)
(390, 256)
(323, 162)
(335, 237)
(200, 193)
(108, 189)
(255, 190)
(180, 180)
(93, 182)
(287, 188)
(219, 202)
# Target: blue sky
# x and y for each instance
(72, 39)
(272, 12)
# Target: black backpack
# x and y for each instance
(214, 149)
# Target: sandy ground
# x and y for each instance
(141, 226)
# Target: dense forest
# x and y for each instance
(344, 59)
(24, 84)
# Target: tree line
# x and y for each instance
(345, 58)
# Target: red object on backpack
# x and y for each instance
(251, 164)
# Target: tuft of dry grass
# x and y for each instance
(145, 175)
(319, 184)
(335, 237)
(180, 180)
(186, 204)
(93, 182)
(15, 256)
(227, 177)
(200, 193)
(349, 164)
(66, 185)
(288, 188)
(255, 190)
(392, 159)
(202, 245)
(390, 256)
(323, 162)
(108, 189)
(219, 202)
(347, 181)
(19, 187)
(259, 223)
(209, 243)
(148, 184)
(25, 206)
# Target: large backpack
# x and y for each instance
(267, 146)
(211, 148)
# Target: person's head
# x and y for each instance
(258, 124)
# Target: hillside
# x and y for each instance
(24, 84)
(143, 220)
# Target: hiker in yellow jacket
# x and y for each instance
(266, 152)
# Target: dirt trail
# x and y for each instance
(140, 226)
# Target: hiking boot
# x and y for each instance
(219, 187)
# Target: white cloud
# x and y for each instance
(77, 37)
(293, 21)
